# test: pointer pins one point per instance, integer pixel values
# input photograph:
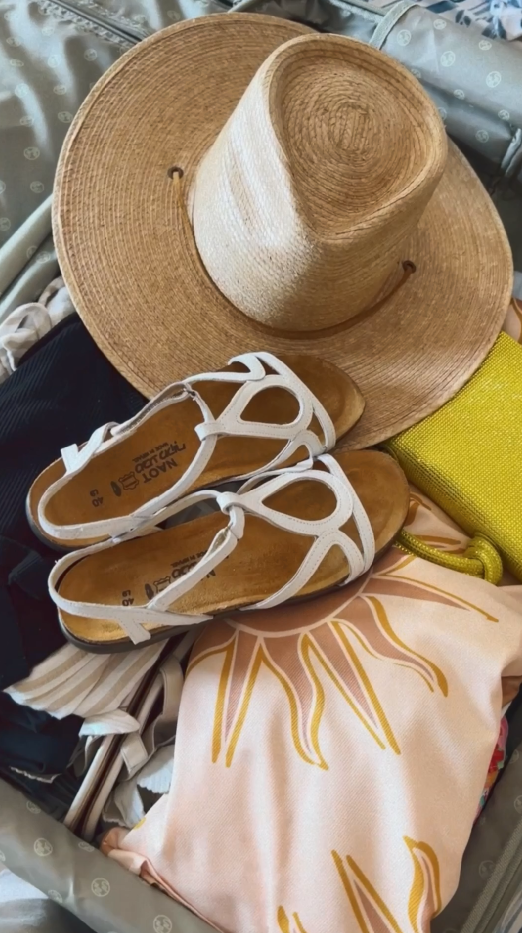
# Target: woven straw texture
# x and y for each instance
(309, 175)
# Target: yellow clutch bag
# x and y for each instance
(467, 457)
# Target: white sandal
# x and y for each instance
(284, 537)
(261, 413)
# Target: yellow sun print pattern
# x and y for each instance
(372, 914)
(289, 924)
(307, 645)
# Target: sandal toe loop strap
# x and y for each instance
(74, 457)
(327, 531)
(297, 433)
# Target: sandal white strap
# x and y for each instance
(229, 424)
(75, 458)
(133, 619)
(250, 499)
(326, 531)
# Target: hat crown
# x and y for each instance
(303, 205)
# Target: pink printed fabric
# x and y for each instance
(330, 755)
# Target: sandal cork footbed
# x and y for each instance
(155, 457)
(265, 558)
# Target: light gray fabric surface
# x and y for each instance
(36, 915)
(24, 909)
(485, 875)
(51, 54)
(94, 888)
(474, 81)
(48, 63)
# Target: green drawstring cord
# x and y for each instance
(480, 559)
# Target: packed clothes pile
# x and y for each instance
(260, 381)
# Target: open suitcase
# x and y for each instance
(485, 119)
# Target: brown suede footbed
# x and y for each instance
(265, 558)
(157, 454)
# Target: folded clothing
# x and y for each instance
(53, 797)
(33, 741)
(29, 323)
(28, 617)
(91, 686)
(62, 390)
(365, 707)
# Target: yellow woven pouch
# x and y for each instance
(467, 457)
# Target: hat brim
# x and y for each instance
(135, 279)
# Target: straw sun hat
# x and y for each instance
(239, 182)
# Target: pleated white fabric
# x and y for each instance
(89, 685)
